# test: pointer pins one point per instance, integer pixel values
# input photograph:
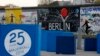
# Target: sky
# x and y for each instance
(21, 3)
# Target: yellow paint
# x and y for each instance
(16, 13)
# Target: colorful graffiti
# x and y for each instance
(55, 18)
(18, 16)
(12, 16)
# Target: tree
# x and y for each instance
(97, 1)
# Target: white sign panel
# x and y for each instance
(17, 42)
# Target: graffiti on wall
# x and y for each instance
(2, 17)
(18, 16)
(90, 19)
(12, 16)
(60, 18)
(29, 16)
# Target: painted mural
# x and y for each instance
(60, 18)
(55, 18)
(2, 17)
(29, 16)
(12, 16)
(18, 16)
(90, 19)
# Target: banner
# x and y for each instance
(69, 17)
(91, 15)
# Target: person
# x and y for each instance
(87, 26)
(12, 18)
(3, 19)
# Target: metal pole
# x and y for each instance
(79, 39)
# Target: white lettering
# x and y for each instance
(54, 26)
(68, 26)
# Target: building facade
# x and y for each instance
(42, 2)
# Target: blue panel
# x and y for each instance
(66, 44)
(44, 40)
(66, 34)
(19, 39)
(98, 43)
(51, 40)
(90, 44)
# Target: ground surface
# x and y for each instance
(79, 53)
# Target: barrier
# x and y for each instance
(90, 44)
(44, 40)
(20, 40)
(66, 43)
(98, 43)
(49, 39)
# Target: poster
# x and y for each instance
(92, 16)
(29, 16)
(65, 18)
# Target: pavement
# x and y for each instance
(79, 53)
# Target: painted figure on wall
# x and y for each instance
(12, 18)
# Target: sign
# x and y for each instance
(65, 15)
(17, 42)
(20, 40)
